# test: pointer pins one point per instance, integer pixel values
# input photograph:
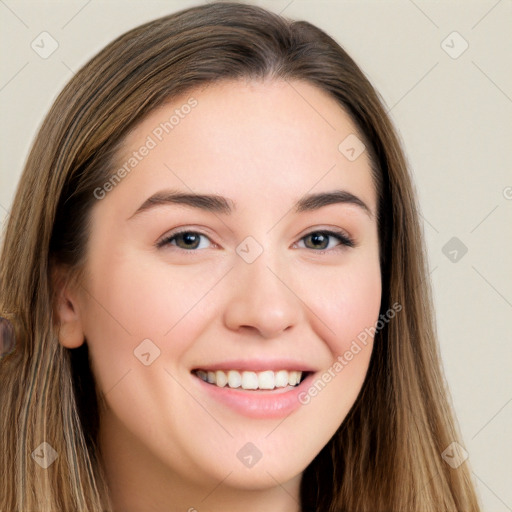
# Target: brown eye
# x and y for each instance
(325, 240)
(187, 240)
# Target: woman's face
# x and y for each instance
(254, 291)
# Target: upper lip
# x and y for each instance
(257, 365)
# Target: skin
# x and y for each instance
(165, 444)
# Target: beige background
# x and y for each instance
(454, 116)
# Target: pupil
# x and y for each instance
(190, 239)
(318, 239)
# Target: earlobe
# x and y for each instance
(70, 336)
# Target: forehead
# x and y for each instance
(248, 137)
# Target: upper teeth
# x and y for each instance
(251, 380)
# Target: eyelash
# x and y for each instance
(345, 241)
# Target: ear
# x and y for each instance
(67, 310)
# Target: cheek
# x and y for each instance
(130, 301)
(347, 309)
(347, 303)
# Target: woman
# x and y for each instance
(223, 301)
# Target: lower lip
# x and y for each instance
(258, 404)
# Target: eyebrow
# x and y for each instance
(222, 205)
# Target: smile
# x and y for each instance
(255, 394)
(249, 380)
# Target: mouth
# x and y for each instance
(267, 380)
(256, 388)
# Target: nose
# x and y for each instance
(262, 299)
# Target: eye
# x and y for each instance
(326, 240)
(318, 240)
(187, 240)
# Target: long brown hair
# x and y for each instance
(386, 456)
